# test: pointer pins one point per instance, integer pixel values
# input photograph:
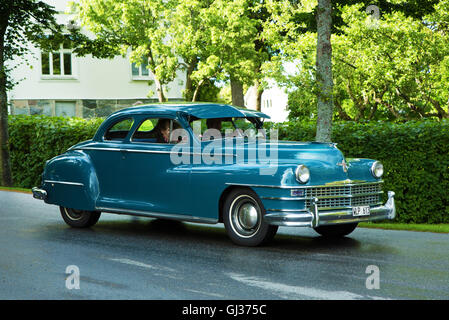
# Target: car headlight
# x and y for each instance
(302, 174)
(377, 169)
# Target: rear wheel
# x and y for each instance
(79, 218)
(336, 231)
(243, 219)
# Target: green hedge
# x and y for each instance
(415, 155)
(35, 139)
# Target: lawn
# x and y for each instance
(438, 228)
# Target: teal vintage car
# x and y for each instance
(213, 163)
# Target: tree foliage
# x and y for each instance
(134, 27)
(219, 40)
(21, 22)
(392, 68)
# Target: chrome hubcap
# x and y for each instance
(73, 214)
(245, 216)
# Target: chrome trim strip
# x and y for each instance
(155, 151)
(301, 187)
(284, 198)
(147, 151)
(324, 197)
(158, 215)
(177, 152)
(287, 210)
(98, 149)
(65, 182)
(263, 186)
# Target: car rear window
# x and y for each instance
(119, 130)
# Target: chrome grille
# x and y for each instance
(345, 196)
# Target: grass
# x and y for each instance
(437, 228)
(24, 190)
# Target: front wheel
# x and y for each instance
(243, 219)
(336, 231)
(79, 218)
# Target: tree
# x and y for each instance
(21, 22)
(231, 55)
(325, 99)
(395, 68)
(136, 27)
(292, 20)
(188, 39)
(218, 40)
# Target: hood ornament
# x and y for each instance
(344, 165)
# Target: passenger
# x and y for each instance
(162, 131)
(214, 124)
(178, 134)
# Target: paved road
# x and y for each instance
(125, 257)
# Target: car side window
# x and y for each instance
(215, 128)
(157, 130)
(119, 130)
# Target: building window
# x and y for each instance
(140, 72)
(268, 103)
(57, 63)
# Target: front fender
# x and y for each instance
(70, 181)
(360, 169)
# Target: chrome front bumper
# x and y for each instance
(312, 217)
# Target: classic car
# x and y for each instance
(157, 161)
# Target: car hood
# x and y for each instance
(287, 151)
(324, 160)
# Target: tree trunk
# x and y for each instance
(325, 106)
(237, 93)
(197, 90)
(259, 92)
(157, 81)
(5, 164)
(259, 99)
(189, 83)
(159, 90)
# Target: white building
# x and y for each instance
(273, 103)
(61, 83)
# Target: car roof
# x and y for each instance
(198, 110)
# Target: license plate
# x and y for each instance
(360, 211)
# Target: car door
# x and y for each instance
(150, 180)
(106, 157)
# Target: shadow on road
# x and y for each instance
(137, 229)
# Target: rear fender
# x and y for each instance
(70, 181)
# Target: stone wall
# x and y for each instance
(86, 108)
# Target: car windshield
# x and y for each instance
(223, 128)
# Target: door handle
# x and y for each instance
(123, 153)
